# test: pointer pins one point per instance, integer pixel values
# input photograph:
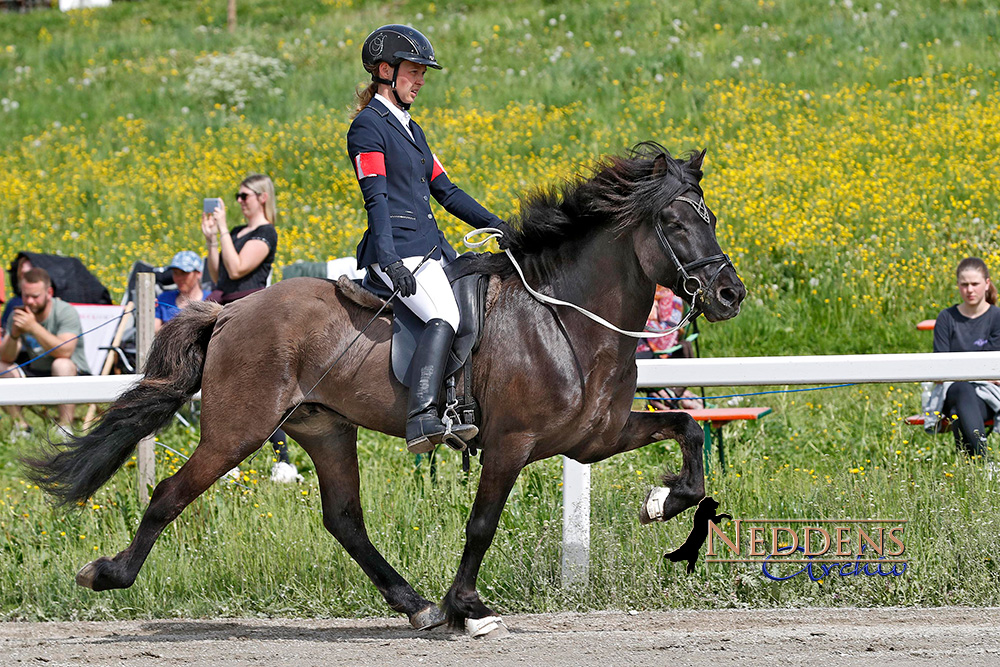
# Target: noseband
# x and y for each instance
(685, 283)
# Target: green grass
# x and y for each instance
(853, 154)
(262, 550)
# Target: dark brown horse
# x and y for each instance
(550, 381)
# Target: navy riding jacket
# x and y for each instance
(398, 175)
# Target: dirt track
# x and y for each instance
(940, 636)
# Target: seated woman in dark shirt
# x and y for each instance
(970, 326)
(239, 262)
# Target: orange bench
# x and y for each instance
(714, 419)
(944, 424)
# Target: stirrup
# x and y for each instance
(456, 434)
(458, 438)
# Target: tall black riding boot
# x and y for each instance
(424, 428)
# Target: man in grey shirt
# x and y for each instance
(44, 324)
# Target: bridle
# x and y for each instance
(685, 283)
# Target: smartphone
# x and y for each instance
(212, 203)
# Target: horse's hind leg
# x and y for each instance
(212, 459)
(332, 445)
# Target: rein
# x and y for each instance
(684, 279)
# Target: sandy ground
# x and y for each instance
(885, 636)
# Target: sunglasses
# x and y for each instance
(243, 196)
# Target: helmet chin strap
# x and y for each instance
(395, 73)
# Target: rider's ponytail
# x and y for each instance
(363, 97)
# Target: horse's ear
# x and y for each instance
(659, 165)
(697, 159)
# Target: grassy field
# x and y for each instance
(853, 154)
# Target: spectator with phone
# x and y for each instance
(185, 268)
(239, 262)
(44, 330)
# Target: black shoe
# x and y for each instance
(424, 431)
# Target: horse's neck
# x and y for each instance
(601, 274)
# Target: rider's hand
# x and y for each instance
(402, 279)
(508, 233)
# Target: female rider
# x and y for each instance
(971, 326)
(398, 174)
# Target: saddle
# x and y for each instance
(470, 290)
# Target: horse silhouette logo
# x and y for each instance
(699, 533)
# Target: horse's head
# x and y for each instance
(677, 248)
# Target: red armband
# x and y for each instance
(369, 164)
(438, 169)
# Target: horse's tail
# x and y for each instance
(79, 467)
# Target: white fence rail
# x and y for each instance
(718, 372)
(723, 371)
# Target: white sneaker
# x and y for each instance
(285, 473)
(20, 433)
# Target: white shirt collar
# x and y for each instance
(402, 116)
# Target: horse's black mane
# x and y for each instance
(621, 191)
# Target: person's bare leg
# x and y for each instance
(13, 410)
(65, 368)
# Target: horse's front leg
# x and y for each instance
(680, 490)
(502, 464)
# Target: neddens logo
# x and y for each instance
(819, 548)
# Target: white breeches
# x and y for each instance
(433, 298)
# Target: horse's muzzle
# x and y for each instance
(723, 301)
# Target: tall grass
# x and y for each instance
(260, 548)
(853, 153)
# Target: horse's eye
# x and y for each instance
(670, 218)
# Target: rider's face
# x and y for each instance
(409, 80)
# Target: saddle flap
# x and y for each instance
(470, 295)
(407, 328)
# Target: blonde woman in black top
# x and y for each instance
(239, 262)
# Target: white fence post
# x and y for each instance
(146, 299)
(576, 523)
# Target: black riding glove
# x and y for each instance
(508, 233)
(402, 279)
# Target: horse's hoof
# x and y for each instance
(652, 508)
(87, 574)
(490, 627)
(427, 618)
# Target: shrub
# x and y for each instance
(232, 79)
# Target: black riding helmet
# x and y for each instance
(393, 44)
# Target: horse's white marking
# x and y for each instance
(479, 627)
(654, 502)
